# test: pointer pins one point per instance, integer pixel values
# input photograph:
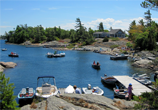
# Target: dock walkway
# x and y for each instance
(138, 88)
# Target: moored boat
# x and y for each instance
(4, 49)
(62, 54)
(96, 90)
(49, 55)
(109, 80)
(119, 57)
(26, 93)
(47, 89)
(13, 55)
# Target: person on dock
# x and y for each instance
(77, 90)
(130, 88)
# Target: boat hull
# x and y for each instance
(118, 57)
(109, 80)
(10, 55)
(96, 66)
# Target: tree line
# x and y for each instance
(38, 34)
(144, 34)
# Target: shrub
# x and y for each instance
(105, 39)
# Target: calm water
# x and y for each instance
(74, 69)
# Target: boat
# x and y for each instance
(56, 54)
(108, 80)
(26, 94)
(47, 89)
(49, 55)
(119, 57)
(4, 49)
(143, 76)
(120, 93)
(62, 54)
(13, 55)
(142, 80)
(96, 66)
(96, 90)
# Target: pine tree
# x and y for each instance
(7, 99)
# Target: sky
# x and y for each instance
(117, 14)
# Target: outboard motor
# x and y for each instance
(89, 86)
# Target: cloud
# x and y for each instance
(5, 26)
(36, 9)
(8, 9)
(52, 8)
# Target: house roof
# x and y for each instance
(113, 31)
(99, 32)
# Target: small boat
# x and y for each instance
(26, 93)
(4, 49)
(56, 54)
(49, 55)
(47, 89)
(13, 55)
(119, 57)
(120, 93)
(143, 76)
(142, 80)
(96, 66)
(96, 90)
(109, 80)
(62, 54)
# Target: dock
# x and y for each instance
(138, 88)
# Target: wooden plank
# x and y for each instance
(138, 88)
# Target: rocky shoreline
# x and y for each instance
(80, 102)
(4, 65)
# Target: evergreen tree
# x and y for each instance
(101, 28)
(7, 99)
(151, 4)
(148, 18)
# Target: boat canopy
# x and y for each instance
(45, 77)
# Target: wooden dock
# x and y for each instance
(138, 88)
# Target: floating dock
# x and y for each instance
(138, 88)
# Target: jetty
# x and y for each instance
(138, 88)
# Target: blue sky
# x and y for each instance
(63, 13)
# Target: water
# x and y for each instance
(74, 69)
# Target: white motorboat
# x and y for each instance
(47, 89)
(119, 57)
(62, 54)
(4, 49)
(26, 93)
(142, 79)
(109, 80)
(143, 76)
(50, 55)
(96, 90)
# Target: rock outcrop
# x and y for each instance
(80, 102)
(4, 65)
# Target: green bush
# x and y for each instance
(128, 44)
(105, 39)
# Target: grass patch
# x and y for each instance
(114, 38)
(114, 46)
